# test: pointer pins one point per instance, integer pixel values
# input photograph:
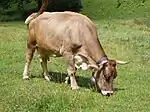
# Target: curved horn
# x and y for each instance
(121, 62)
(93, 66)
(98, 67)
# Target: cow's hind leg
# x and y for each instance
(71, 71)
(29, 55)
(43, 61)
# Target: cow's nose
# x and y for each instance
(107, 93)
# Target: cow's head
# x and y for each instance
(104, 74)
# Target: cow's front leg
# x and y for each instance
(67, 80)
(43, 61)
(29, 55)
(71, 71)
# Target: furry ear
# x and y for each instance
(80, 62)
(84, 66)
(102, 63)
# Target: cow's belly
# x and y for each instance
(48, 53)
(49, 45)
(47, 49)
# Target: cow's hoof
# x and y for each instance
(47, 77)
(75, 87)
(67, 80)
(26, 77)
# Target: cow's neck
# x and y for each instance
(97, 52)
(99, 55)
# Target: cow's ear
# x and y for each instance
(98, 67)
(84, 66)
(102, 64)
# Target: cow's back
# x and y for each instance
(62, 30)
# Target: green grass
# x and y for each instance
(115, 9)
(122, 40)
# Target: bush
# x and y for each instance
(23, 8)
(64, 5)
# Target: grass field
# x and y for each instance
(116, 9)
(123, 40)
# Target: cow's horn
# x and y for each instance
(93, 66)
(121, 62)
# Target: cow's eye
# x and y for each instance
(106, 64)
(114, 65)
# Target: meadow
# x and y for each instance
(127, 40)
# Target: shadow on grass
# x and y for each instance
(59, 77)
(119, 89)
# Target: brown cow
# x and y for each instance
(74, 37)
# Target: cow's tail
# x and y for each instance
(35, 15)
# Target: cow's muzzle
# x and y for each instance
(107, 93)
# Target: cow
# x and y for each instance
(72, 36)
